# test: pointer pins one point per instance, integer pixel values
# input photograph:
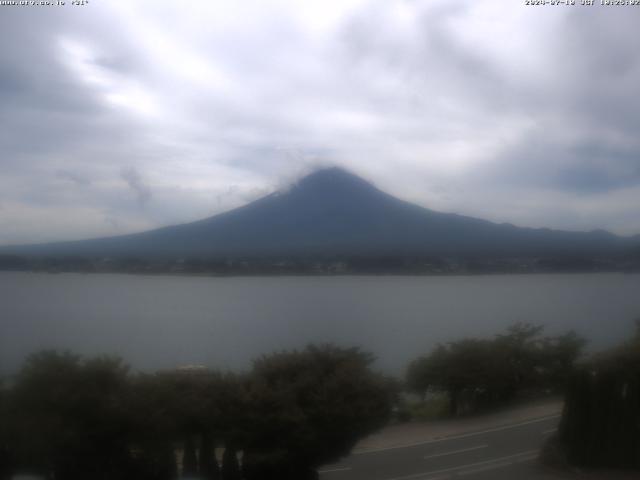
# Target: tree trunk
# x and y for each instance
(209, 469)
(454, 399)
(230, 465)
(190, 459)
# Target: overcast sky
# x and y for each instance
(124, 115)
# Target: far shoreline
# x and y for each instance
(321, 275)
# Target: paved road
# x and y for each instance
(505, 452)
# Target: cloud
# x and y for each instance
(481, 108)
(73, 177)
(135, 183)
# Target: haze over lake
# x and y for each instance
(158, 322)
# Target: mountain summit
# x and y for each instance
(334, 212)
(334, 179)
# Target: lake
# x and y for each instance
(158, 322)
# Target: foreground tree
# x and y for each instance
(480, 373)
(309, 408)
(600, 426)
(5, 442)
(69, 420)
(187, 410)
(209, 468)
(151, 405)
(559, 356)
(230, 465)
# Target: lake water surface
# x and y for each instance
(158, 322)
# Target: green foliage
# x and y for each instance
(310, 407)
(600, 426)
(479, 373)
(182, 407)
(433, 408)
(5, 450)
(68, 416)
(558, 356)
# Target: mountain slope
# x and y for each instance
(332, 212)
